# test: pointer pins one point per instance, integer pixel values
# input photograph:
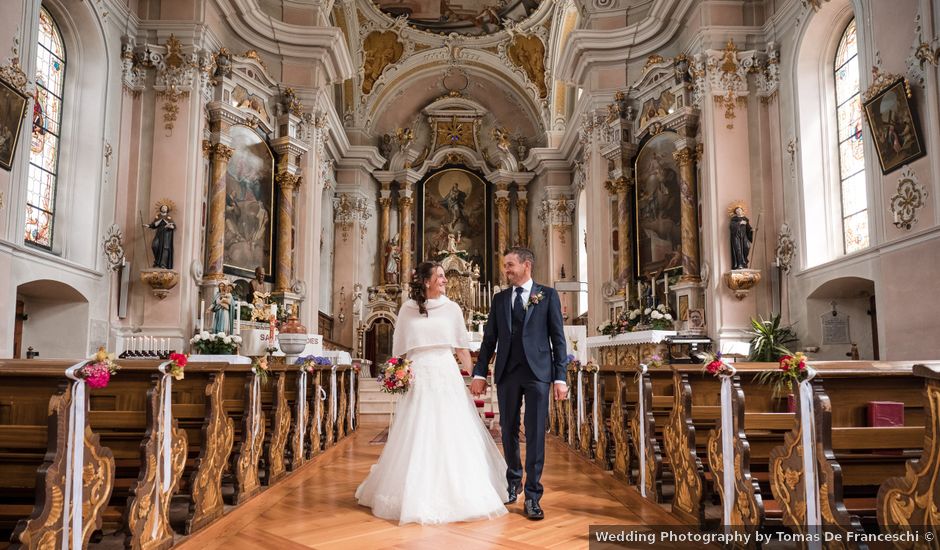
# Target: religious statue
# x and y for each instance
(162, 244)
(257, 284)
(357, 301)
(222, 305)
(741, 237)
(502, 137)
(392, 263)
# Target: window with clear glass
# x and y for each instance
(44, 142)
(851, 151)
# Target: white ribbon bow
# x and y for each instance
(255, 408)
(810, 479)
(165, 445)
(641, 420)
(727, 447)
(596, 374)
(74, 462)
(580, 405)
(352, 398)
(321, 394)
(301, 408)
(333, 405)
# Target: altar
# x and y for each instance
(629, 349)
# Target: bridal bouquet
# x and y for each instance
(395, 376)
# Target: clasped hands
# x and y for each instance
(478, 387)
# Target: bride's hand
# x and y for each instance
(477, 387)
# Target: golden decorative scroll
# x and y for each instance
(218, 434)
(330, 424)
(747, 509)
(148, 525)
(316, 423)
(247, 480)
(679, 442)
(43, 529)
(915, 498)
(618, 430)
(280, 428)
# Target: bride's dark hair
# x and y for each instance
(419, 292)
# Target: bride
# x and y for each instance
(440, 463)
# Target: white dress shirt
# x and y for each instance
(526, 291)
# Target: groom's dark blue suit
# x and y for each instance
(532, 355)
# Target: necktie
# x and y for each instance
(518, 310)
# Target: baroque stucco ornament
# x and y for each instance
(380, 49)
(786, 248)
(527, 52)
(910, 197)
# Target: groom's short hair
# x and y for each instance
(523, 253)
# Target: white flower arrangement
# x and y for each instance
(207, 343)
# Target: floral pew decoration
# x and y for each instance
(307, 365)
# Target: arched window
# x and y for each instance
(44, 145)
(851, 150)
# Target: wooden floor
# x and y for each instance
(315, 508)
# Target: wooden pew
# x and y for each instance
(244, 407)
(276, 409)
(841, 392)
(35, 398)
(912, 499)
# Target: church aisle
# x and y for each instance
(315, 508)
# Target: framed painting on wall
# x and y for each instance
(12, 112)
(454, 201)
(249, 198)
(894, 128)
(658, 207)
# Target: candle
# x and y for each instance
(666, 287)
(639, 293)
(238, 317)
(274, 310)
(202, 315)
(653, 289)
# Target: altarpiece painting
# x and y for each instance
(249, 197)
(454, 201)
(658, 206)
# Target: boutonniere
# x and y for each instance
(534, 299)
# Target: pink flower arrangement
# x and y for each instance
(396, 375)
(97, 374)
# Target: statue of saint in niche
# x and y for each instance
(741, 237)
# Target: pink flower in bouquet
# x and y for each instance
(97, 375)
(400, 374)
(393, 361)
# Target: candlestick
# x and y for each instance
(238, 318)
(202, 315)
(666, 287)
(639, 293)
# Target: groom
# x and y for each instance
(525, 321)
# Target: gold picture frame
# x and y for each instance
(13, 105)
(895, 131)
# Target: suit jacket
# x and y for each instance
(543, 335)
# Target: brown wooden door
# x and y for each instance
(18, 329)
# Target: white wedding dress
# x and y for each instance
(440, 463)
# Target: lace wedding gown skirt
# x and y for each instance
(440, 463)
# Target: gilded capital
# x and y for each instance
(206, 148)
(502, 203)
(385, 202)
(221, 151)
(405, 202)
(619, 185)
(287, 181)
(683, 156)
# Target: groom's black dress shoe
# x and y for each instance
(513, 494)
(533, 511)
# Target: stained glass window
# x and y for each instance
(851, 151)
(44, 143)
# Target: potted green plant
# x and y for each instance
(769, 339)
